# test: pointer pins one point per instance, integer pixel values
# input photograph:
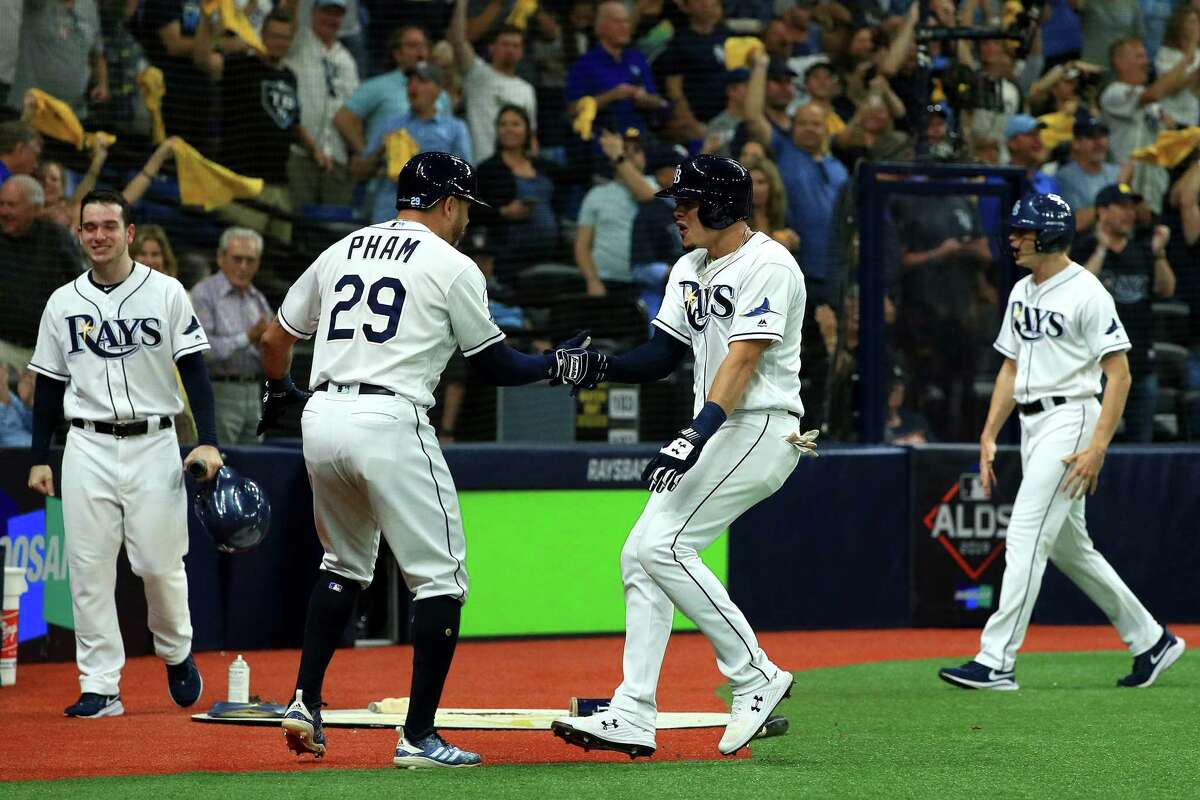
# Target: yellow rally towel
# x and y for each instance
(207, 183)
(522, 11)
(235, 21)
(1060, 127)
(400, 148)
(55, 118)
(151, 85)
(1170, 148)
(833, 123)
(738, 50)
(585, 115)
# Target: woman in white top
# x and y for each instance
(1182, 38)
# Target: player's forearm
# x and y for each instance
(500, 365)
(47, 410)
(1003, 402)
(1116, 392)
(276, 348)
(652, 361)
(735, 372)
(194, 375)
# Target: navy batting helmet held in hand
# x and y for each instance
(721, 186)
(428, 177)
(1048, 215)
(234, 510)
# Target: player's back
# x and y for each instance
(387, 305)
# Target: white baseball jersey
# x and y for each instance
(1057, 332)
(117, 349)
(388, 305)
(755, 292)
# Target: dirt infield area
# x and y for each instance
(155, 737)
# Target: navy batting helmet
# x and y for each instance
(1050, 216)
(428, 177)
(234, 510)
(721, 186)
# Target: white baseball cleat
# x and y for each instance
(750, 711)
(607, 729)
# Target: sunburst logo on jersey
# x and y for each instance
(689, 297)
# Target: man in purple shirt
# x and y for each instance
(615, 74)
(234, 314)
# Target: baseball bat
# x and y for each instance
(198, 470)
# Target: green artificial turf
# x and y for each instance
(887, 730)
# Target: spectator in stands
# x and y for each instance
(870, 134)
(940, 142)
(36, 257)
(349, 30)
(193, 268)
(1082, 178)
(1023, 135)
(813, 179)
(11, 12)
(692, 69)
(1133, 267)
(166, 30)
(429, 128)
(326, 77)
(655, 244)
(1181, 213)
(386, 95)
(62, 54)
(152, 248)
(60, 208)
(769, 206)
(1127, 106)
(904, 427)
(823, 86)
(722, 128)
(522, 229)
(1058, 90)
(20, 149)
(1105, 23)
(602, 240)
(234, 314)
(487, 17)
(796, 26)
(614, 74)
(780, 94)
(1182, 36)
(996, 70)
(260, 117)
(125, 112)
(488, 87)
(16, 410)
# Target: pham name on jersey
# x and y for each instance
(370, 247)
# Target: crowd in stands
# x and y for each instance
(575, 112)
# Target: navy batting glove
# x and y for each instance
(554, 367)
(664, 472)
(278, 395)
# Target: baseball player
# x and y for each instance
(737, 302)
(387, 306)
(1061, 331)
(107, 350)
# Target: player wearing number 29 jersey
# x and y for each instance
(386, 307)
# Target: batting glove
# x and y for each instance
(664, 472)
(278, 396)
(575, 364)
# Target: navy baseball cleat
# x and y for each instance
(184, 682)
(973, 675)
(432, 751)
(93, 706)
(1149, 665)
(302, 729)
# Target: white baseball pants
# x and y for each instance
(746, 461)
(127, 491)
(374, 463)
(1047, 524)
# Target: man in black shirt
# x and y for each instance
(693, 69)
(166, 29)
(1133, 266)
(36, 257)
(260, 116)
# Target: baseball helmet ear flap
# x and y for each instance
(234, 510)
(1049, 216)
(721, 186)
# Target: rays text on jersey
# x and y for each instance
(701, 302)
(113, 338)
(369, 245)
(1032, 323)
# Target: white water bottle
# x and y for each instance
(239, 680)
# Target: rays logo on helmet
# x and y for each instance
(1016, 207)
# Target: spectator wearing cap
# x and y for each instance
(779, 95)
(1082, 178)
(655, 244)
(349, 30)
(604, 235)
(1023, 136)
(1133, 266)
(429, 128)
(615, 74)
(812, 177)
(1182, 38)
(385, 96)
(488, 87)
(326, 77)
(823, 86)
(723, 127)
(692, 68)
(522, 229)
(939, 142)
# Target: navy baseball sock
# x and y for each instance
(434, 635)
(329, 610)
